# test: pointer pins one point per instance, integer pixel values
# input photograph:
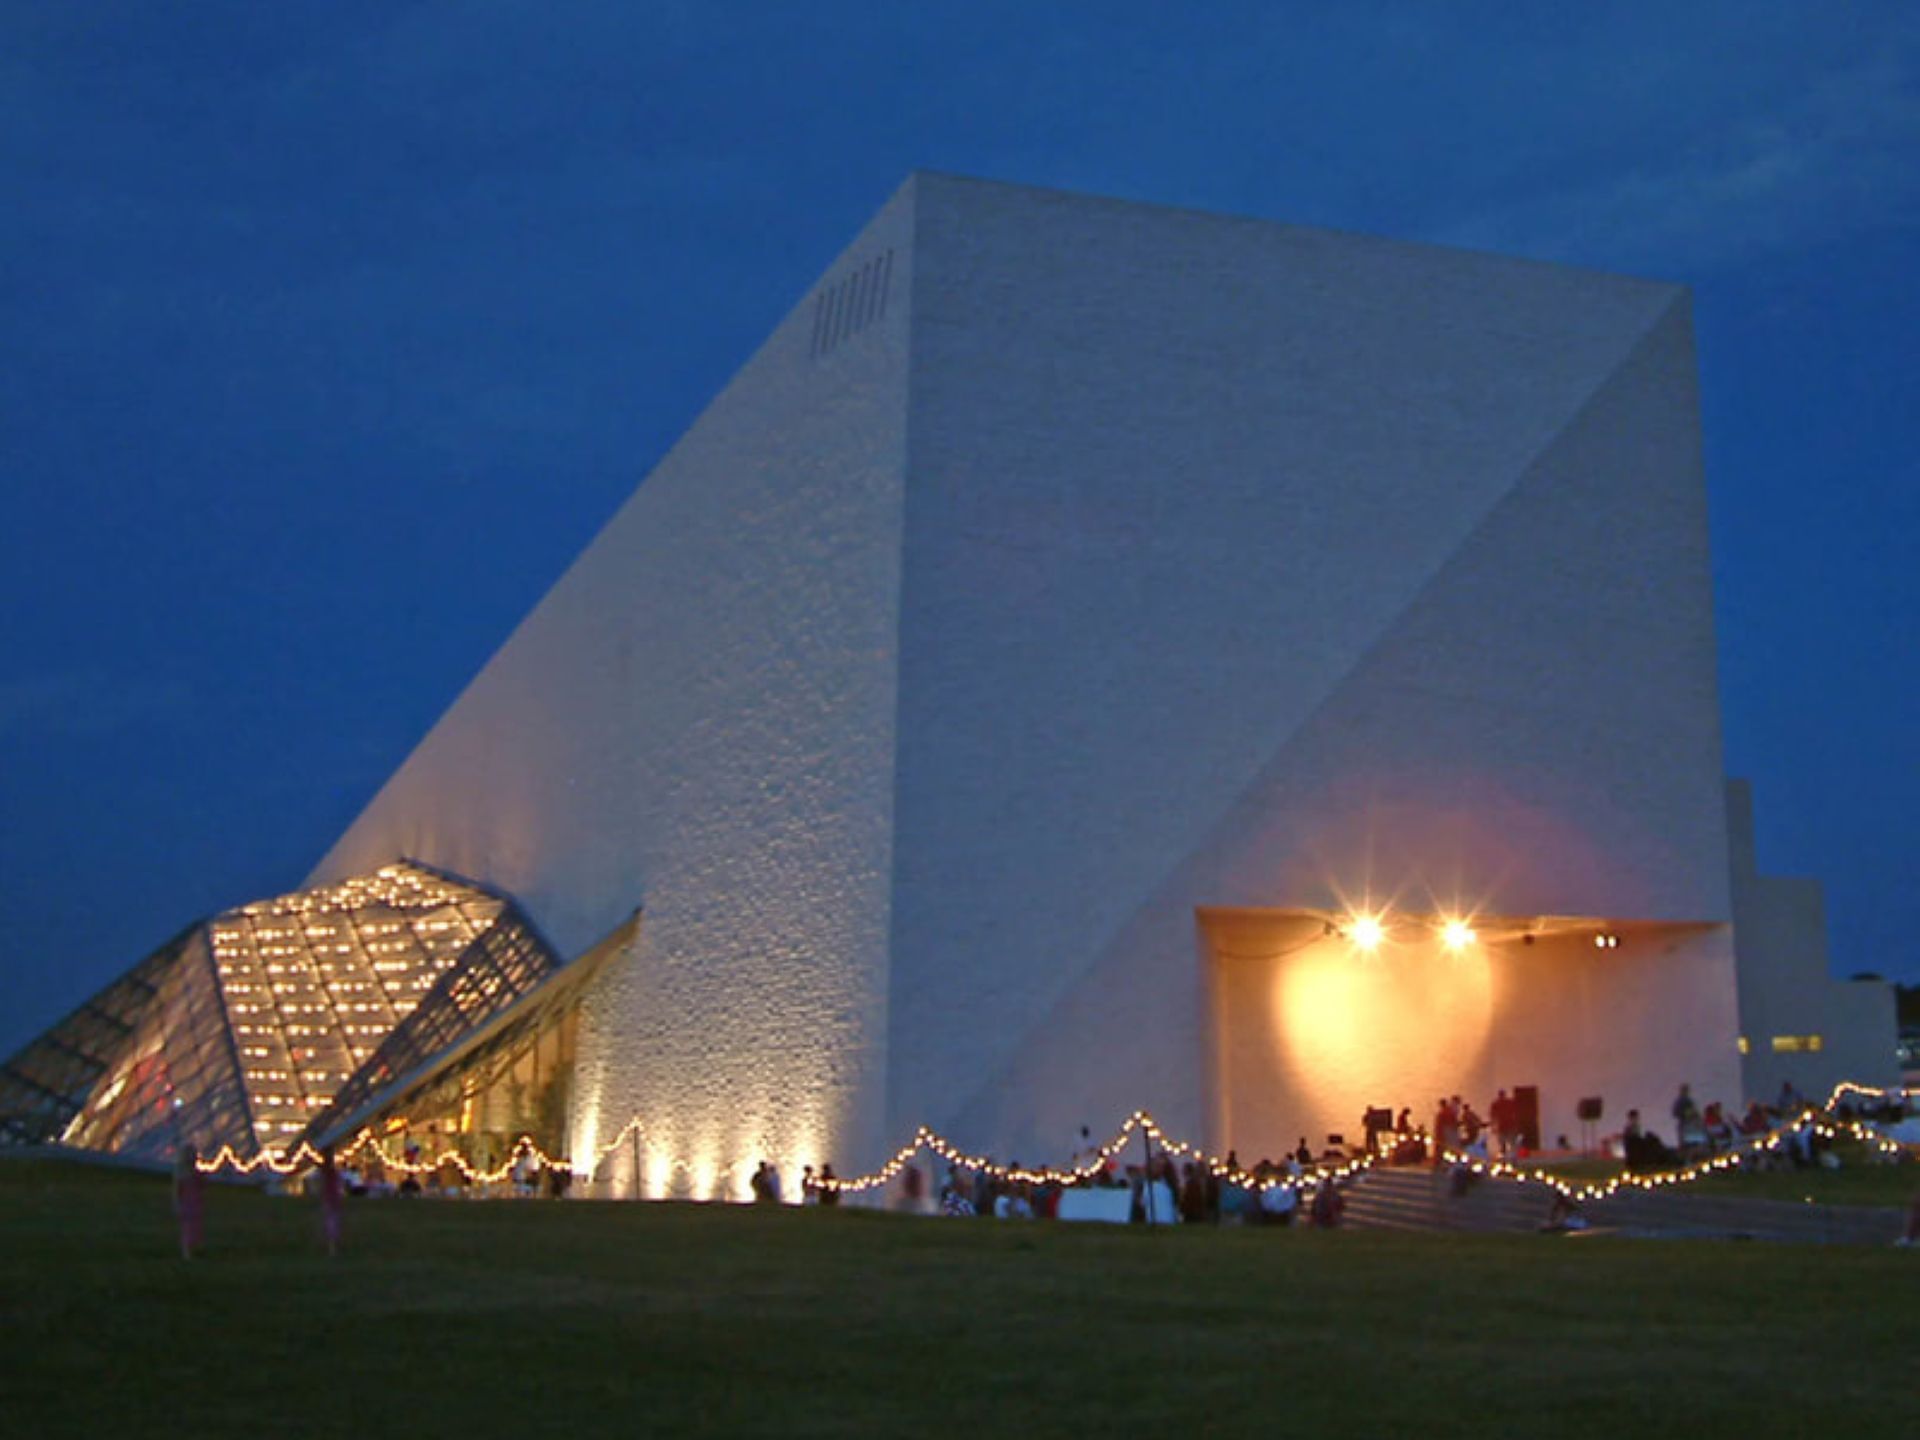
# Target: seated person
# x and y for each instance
(1790, 1102)
(1237, 1201)
(1279, 1204)
(1719, 1129)
(1641, 1149)
(1328, 1206)
(1564, 1214)
(956, 1196)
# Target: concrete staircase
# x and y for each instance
(1418, 1199)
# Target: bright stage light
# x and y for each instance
(1456, 934)
(1366, 931)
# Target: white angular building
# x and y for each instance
(1010, 699)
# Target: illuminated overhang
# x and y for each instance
(1260, 932)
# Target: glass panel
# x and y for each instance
(44, 1088)
(315, 980)
(503, 963)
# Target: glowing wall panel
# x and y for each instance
(1312, 1034)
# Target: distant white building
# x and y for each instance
(1798, 1025)
(1021, 694)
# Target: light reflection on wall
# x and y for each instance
(1311, 1030)
(658, 1179)
(1383, 1028)
(586, 1136)
(681, 1163)
(704, 1176)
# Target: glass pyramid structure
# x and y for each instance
(243, 1029)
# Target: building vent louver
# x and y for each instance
(852, 303)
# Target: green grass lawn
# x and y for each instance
(537, 1318)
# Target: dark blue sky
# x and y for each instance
(334, 331)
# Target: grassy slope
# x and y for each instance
(620, 1319)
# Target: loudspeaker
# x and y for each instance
(1526, 1108)
(1588, 1109)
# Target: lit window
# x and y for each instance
(1796, 1044)
(1744, 1046)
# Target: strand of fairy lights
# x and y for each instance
(925, 1138)
(1809, 1119)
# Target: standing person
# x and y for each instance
(1192, 1196)
(189, 1199)
(829, 1186)
(333, 1201)
(913, 1188)
(1505, 1122)
(1685, 1116)
(1446, 1123)
(1471, 1125)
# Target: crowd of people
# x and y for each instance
(1459, 1128)
(1701, 1132)
(1161, 1190)
(1164, 1188)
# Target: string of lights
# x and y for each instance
(1582, 1192)
(1817, 1119)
